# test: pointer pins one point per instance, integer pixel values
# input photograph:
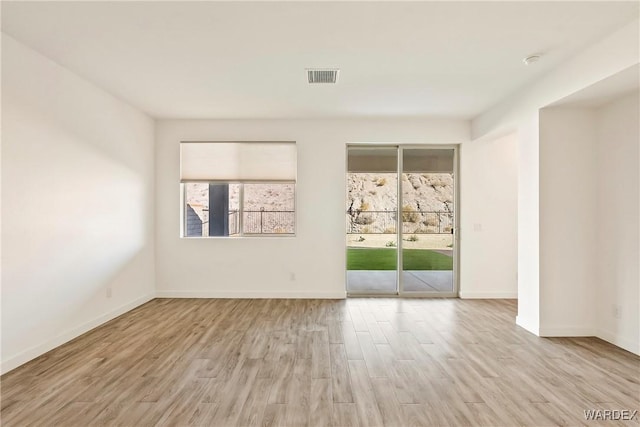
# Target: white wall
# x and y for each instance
(262, 267)
(589, 221)
(568, 223)
(520, 113)
(528, 225)
(77, 205)
(488, 218)
(618, 212)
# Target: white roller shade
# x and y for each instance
(429, 160)
(382, 159)
(238, 161)
(385, 160)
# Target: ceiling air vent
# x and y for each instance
(322, 75)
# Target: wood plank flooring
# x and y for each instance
(355, 362)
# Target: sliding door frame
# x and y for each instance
(400, 292)
(456, 240)
(397, 248)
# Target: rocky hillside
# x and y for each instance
(378, 191)
(366, 192)
(268, 197)
(427, 202)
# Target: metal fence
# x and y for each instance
(262, 222)
(358, 222)
(255, 222)
(386, 222)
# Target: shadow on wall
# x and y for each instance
(84, 223)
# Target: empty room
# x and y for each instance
(350, 213)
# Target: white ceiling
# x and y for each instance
(247, 60)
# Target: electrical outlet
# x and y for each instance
(617, 311)
(109, 292)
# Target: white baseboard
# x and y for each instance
(528, 325)
(38, 350)
(617, 340)
(578, 331)
(252, 294)
(566, 331)
(488, 295)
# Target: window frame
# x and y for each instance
(241, 211)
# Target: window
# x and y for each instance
(235, 189)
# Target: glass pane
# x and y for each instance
(269, 209)
(234, 209)
(196, 213)
(211, 209)
(427, 220)
(371, 215)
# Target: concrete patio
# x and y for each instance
(384, 281)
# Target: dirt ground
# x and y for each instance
(424, 241)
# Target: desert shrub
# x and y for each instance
(409, 214)
(381, 182)
(390, 244)
(364, 206)
(361, 239)
(431, 221)
(366, 230)
(413, 238)
(364, 219)
(389, 230)
(373, 192)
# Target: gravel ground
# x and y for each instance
(425, 241)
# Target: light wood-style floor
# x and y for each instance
(367, 362)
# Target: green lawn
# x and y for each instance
(385, 259)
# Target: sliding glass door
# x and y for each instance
(401, 232)
(428, 203)
(372, 220)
